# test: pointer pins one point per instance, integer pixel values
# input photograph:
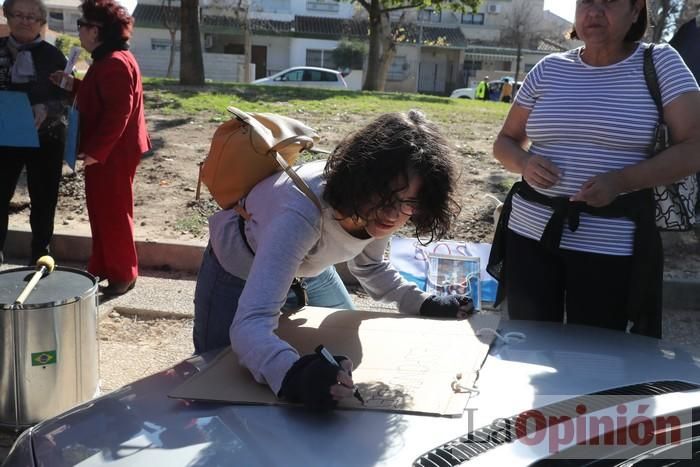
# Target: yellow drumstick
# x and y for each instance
(45, 264)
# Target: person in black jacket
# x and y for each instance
(26, 61)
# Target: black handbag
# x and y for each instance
(674, 203)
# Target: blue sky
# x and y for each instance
(563, 8)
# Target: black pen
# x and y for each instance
(323, 352)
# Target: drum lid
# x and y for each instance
(63, 285)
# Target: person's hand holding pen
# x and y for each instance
(323, 352)
(317, 382)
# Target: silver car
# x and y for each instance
(306, 76)
(553, 394)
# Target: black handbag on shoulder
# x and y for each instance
(675, 203)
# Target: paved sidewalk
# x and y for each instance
(173, 259)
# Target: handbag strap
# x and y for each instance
(652, 80)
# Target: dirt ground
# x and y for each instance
(166, 208)
(166, 181)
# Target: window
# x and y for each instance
(56, 15)
(318, 75)
(321, 5)
(472, 18)
(429, 16)
(507, 65)
(321, 58)
(295, 75)
(164, 44)
(398, 68)
(327, 76)
(472, 65)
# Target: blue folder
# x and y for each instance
(17, 121)
(70, 151)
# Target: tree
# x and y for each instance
(171, 21)
(383, 37)
(191, 62)
(241, 12)
(240, 9)
(521, 30)
(349, 54)
(662, 18)
(690, 9)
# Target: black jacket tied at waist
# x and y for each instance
(644, 294)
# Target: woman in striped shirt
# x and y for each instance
(578, 232)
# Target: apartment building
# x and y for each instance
(439, 51)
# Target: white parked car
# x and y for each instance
(306, 76)
(566, 395)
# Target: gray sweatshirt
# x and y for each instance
(290, 239)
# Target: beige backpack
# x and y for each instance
(250, 147)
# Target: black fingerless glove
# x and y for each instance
(445, 306)
(308, 381)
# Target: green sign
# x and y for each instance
(44, 358)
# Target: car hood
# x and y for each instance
(138, 425)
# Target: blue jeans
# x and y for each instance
(216, 300)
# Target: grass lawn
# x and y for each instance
(168, 97)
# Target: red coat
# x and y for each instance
(112, 131)
(110, 101)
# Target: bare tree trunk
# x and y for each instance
(171, 21)
(689, 10)
(191, 62)
(247, 53)
(518, 61)
(171, 59)
(373, 69)
(661, 14)
(388, 52)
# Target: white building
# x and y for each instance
(440, 51)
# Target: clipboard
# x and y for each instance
(17, 121)
(403, 364)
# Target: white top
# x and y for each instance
(285, 232)
(591, 120)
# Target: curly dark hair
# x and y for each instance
(115, 21)
(363, 170)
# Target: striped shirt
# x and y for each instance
(590, 120)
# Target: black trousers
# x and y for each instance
(591, 288)
(43, 176)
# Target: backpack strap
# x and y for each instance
(301, 184)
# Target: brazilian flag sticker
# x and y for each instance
(44, 358)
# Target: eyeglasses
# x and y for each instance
(27, 18)
(607, 4)
(407, 207)
(82, 23)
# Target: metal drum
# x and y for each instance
(49, 351)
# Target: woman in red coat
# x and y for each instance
(113, 137)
